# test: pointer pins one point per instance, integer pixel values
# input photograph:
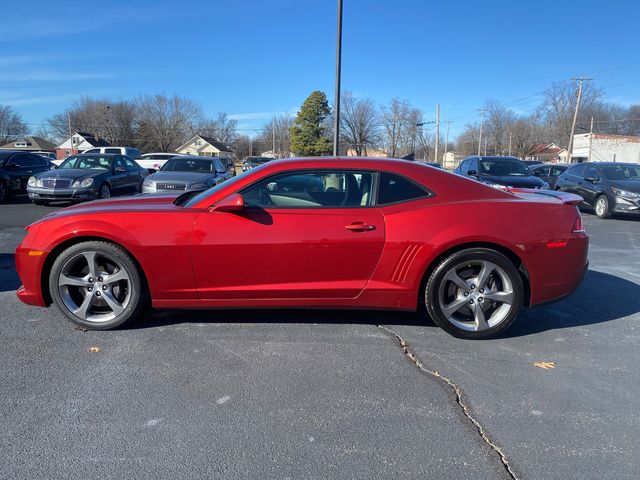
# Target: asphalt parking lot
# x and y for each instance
(326, 394)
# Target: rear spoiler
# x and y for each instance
(564, 197)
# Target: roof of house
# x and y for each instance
(211, 141)
(544, 149)
(92, 140)
(608, 136)
(33, 143)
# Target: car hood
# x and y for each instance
(514, 181)
(628, 185)
(181, 177)
(71, 173)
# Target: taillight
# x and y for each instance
(578, 226)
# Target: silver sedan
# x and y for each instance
(187, 173)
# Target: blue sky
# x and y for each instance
(253, 59)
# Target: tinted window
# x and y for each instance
(394, 188)
(556, 171)
(130, 165)
(187, 165)
(591, 172)
(503, 167)
(111, 150)
(92, 162)
(220, 167)
(464, 166)
(308, 189)
(118, 164)
(95, 150)
(576, 170)
(473, 165)
(621, 172)
(38, 160)
(543, 171)
(23, 160)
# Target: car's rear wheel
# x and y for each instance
(105, 191)
(97, 284)
(474, 293)
(602, 207)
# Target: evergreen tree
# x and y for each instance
(308, 133)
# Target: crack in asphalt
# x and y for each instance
(408, 352)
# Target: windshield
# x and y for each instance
(202, 195)
(257, 160)
(621, 172)
(87, 163)
(503, 167)
(184, 165)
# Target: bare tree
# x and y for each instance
(164, 123)
(276, 131)
(11, 124)
(395, 117)
(222, 128)
(358, 123)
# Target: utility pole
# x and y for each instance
(481, 110)
(336, 117)
(250, 146)
(485, 147)
(446, 140)
(591, 139)
(510, 143)
(437, 133)
(273, 138)
(70, 133)
(575, 113)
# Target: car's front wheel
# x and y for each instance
(105, 191)
(602, 208)
(474, 293)
(97, 284)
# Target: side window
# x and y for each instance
(93, 150)
(542, 171)
(311, 189)
(464, 166)
(591, 172)
(130, 165)
(474, 165)
(556, 171)
(111, 150)
(22, 160)
(394, 188)
(219, 166)
(118, 164)
(576, 170)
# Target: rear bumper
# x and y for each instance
(557, 272)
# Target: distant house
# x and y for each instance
(600, 147)
(78, 143)
(547, 152)
(30, 144)
(451, 160)
(204, 146)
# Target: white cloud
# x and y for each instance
(39, 100)
(47, 76)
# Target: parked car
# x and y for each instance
(229, 165)
(505, 171)
(126, 151)
(548, 172)
(435, 164)
(253, 162)
(15, 170)
(239, 244)
(606, 188)
(186, 173)
(87, 177)
(155, 161)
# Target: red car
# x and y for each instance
(316, 233)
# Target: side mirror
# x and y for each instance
(472, 173)
(232, 203)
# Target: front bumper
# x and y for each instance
(624, 205)
(29, 264)
(37, 193)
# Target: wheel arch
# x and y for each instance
(507, 252)
(62, 246)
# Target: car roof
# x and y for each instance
(626, 164)
(499, 157)
(193, 157)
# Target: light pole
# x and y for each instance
(336, 117)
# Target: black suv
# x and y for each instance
(15, 170)
(606, 187)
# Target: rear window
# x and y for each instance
(395, 188)
(576, 170)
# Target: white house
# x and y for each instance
(600, 147)
(78, 143)
(204, 146)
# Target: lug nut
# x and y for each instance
(466, 294)
(99, 279)
(104, 287)
(480, 299)
(473, 287)
(470, 302)
(97, 293)
(90, 288)
(90, 279)
(481, 290)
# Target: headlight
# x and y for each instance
(32, 181)
(87, 182)
(625, 193)
(195, 186)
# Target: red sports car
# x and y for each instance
(316, 233)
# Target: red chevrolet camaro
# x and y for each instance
(315, 233)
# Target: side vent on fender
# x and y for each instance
(404, 263)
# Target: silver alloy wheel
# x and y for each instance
(104, 191)
(476, 295)
(601, 206)
(94, 286)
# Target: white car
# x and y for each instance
(155, 161)
(126, 151)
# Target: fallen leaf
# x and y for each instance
(94, 349)
(545, 365)
(81, 328)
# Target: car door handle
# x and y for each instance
(360, 227)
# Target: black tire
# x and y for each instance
(3, 192)
(603, 210)
(135, 292)
(505, 279)
(104, 191)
